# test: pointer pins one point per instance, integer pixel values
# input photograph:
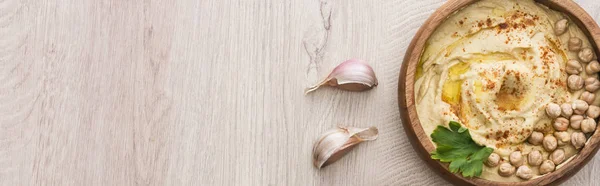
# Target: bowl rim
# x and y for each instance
(412, 126)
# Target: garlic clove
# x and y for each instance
(351, 75)
(335, 143)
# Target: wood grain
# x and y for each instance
(210, 92)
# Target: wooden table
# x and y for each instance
(203, 92)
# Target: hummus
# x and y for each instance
(494, 66)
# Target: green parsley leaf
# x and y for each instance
(456, 146)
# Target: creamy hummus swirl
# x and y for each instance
(494, 66)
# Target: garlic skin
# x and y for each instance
(335, 143)
(351, 75)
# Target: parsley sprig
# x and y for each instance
(456, 146)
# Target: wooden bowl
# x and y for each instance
(412, 126)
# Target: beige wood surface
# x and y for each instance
(203, 92)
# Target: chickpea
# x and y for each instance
(558, 156)
(493, 160)
(586, 55)
(560, 27)
(579, 107)
(575, 82)
(588, 97)
(592, 84)
(561, 124)
(588, 125)
(546, 167)
(562, 138)
(576, 121)
(534, 158)
(524, 172)
(574, 44)
(553, 110)
(593, 111)
(578, 139)
(592, 68)
(516, 158)
(549, 143)
(506, 169)
(573, 67)
(536, 138)
(566, 110)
